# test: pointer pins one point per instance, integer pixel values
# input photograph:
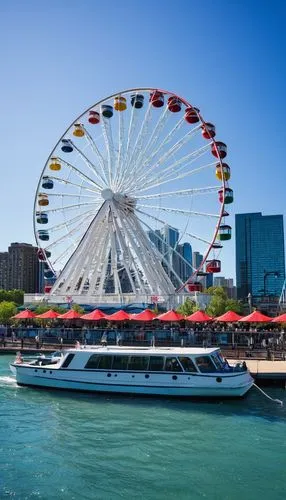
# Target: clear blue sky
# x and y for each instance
(226, 57)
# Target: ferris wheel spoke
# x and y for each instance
(90, 165)
(153, 138)
(121, 151)
(67, 182)
(70, 195)
(70, 222)
(179, 173)
(180, 192)
(164, 223)
(179, 211)
(175, 167)
(100, 158)
(131, 129)
(67, 252)
(170, 152)
(62, 238)
(129, 168)
(69, 207)
(108, 140)
(79, 173)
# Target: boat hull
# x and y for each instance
(181, 385)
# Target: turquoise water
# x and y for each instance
(60, 445)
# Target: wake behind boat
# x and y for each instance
(168, 371)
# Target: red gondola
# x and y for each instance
(157, 99)
(221, 150)
(191, 115)
(94, 117)
(174, 104)
(208, 130)
(213, 266)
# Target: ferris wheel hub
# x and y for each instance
(107, 194)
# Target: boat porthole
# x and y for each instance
(189, 378)
(147, 376)
(51, 373)
(44, 371)
(133, 376)
(174, 377)
(36, 370)
(109, 374)
(115, 375)
(219, 379)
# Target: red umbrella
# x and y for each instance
(48, 315)
(170, 316)
(71, 314)
(280, 319)
(255, 317)
(27, 314)
(95, 315)
(118, 316)
(229, 317)
(146, 315)
(199, 317)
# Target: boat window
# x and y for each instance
(105, 362)
(156, 363)
(67, 361)
(120, 362)
(187, 364)
(205, 364)
(138, 363)
(93, 361)
(217, 361)
(172, 365)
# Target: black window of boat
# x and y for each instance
(120, 362)
(93, 361)
(105, 362)
(67, 361)
(205, 364)
(172, 365)
(156, 363)
(187, 364)
(138, 363)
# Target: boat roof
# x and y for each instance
(163, 351)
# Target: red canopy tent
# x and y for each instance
(95, 315)
(27, 314)
(199, 317)
(71, 314)
(279, 319)
(229, 317)
(170, 316)
(146, 315)
(48, 315)
(255, 317)
(118, 316)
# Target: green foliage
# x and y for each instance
(233, 305)
(16, 296)
(44, 308)
(188, 307)
(78, 308)
(7, 310)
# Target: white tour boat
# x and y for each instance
(168, 371)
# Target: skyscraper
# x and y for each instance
(197, 259)
(20, 268)
(4, 270)
(260, 254)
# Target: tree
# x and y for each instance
(44, 308)
(218, 301)
(7, 310)
(78, 308)
(233, 305)
(188, 307)
(16, 296)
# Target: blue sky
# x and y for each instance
(59, 57)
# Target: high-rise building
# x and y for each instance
(185, 266)
(197, 259)
(227, 285)
(21, 269)
(260, 254)
(4, 270)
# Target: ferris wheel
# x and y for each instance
(133, 187)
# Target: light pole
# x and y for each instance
(268, 273)
(249, 299)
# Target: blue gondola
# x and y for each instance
(66, 146)
(47, 183)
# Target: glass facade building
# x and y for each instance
(260, 255)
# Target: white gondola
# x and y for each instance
(168, 371)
